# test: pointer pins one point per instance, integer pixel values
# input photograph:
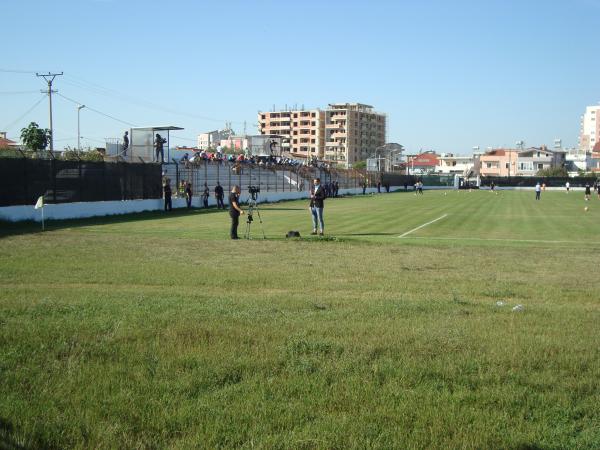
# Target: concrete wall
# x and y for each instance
(82, 210)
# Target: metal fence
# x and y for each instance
(269, 178)
(23, 180)
(531, 181)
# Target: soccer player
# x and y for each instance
(538, 190)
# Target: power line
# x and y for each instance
(81, 83)
(8, 127)
(96, 111)
(17, 92)
(16, 71)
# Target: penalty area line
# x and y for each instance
(421, 226)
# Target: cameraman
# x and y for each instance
(235, 211)
(159, 145)
(317, 200)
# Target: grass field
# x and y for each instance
(155, 330)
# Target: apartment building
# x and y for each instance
(353, 131)
(302, 132)
(343, 134)
(500, 162)
(532, 160)
(590, 128)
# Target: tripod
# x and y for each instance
(252, 208)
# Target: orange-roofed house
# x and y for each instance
(499, 162)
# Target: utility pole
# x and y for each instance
(49, 77)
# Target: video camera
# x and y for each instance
(253, 191)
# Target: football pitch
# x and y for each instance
(447, 320)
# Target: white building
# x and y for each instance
(590, 128)
(212, 139)
(455, 164)
(581, 161)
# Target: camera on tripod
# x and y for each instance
(253, 191)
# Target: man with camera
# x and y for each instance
(317, 200)
(235, 211)
(159, 145)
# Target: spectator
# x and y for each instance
(188, 194)
(205, 194)
(219, 196)
(167, 194)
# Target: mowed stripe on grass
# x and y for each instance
(157, 331)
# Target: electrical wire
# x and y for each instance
(15, 71)
(83, 84)
(18, 92)
(8, 127)
(95, 110)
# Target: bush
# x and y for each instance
(72, 154)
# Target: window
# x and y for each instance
(295, 141)
(540, 166)
(507, 166)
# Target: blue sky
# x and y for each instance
(450, 75)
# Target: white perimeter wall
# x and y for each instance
(82, 210)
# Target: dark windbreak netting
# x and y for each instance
(24, 180)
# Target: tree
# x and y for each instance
(553, 172)
(359, 165)
(34, 137)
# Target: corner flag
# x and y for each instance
(40, 202)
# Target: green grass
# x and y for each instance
(156, 331)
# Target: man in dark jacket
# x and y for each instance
(235, 211)
(205, 194)
(219, 196)
(167, 194)
(317, 200)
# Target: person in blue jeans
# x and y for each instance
(317, 201)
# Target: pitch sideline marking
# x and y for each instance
(421, 226)
(538, 241)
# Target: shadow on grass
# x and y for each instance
(10, 439)
(30, 227)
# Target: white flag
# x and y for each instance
(40, 202)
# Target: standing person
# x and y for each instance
(205, 194)
(588, 191)
(317, 200)
(420, 187)
(405, 186)
(379, 187)
(538, 190)
(167, 194)
(125, 143)
(159, 144)
(492, 186)
(568, 186)
(336, 188)
(364, 186)
(234, 211)
(219, 196)
(188, 194)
